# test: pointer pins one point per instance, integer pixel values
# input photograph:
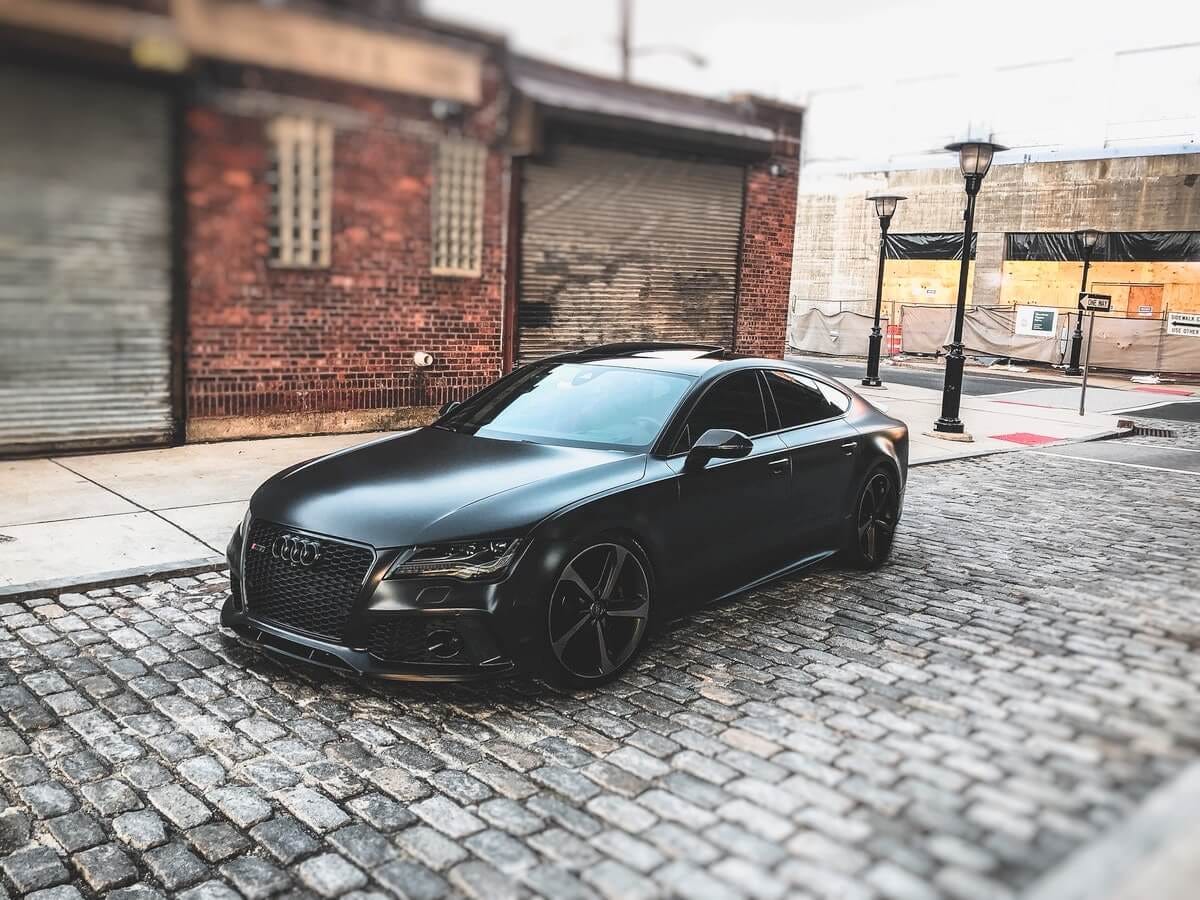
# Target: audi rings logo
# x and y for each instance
(295, 549)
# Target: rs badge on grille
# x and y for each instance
(295, 549)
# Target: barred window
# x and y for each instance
(458, 208)
(301, 179)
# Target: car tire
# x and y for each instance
(871, 525)
(598, 612)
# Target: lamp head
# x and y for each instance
(974, 157)
(885, 204)
(1089, 238)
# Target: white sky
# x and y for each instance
(885, 78)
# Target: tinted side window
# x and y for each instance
(733, 402)
(800, 400)
(836, 398)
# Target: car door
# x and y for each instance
(726, 520)
(822, 446)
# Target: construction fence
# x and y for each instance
(1020, 333)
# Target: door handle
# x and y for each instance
(849, 448)
(780, 466)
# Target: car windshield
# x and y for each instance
(607, 407)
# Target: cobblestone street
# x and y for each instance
(1021, 675)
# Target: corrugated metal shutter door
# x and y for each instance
(85, 314)
(620, 246)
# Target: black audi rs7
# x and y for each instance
(551, 519)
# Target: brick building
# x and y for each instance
(247, 219)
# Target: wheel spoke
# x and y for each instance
(570, 575)
(606, 663)
(612, 572)
(871, 540)
(561, 644)
(881, 493)
(604, 580)
(638, 612)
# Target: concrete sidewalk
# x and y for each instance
(85, 519)
(68, 521)
(996, 425)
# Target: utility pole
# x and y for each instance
(626, 14)
(628, 51)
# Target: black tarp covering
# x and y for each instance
(929, 245)
(1115, 246)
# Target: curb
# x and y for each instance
(1151, 854)
(56, 586)
(1036, 373)
(927, 364)
(1112, 434)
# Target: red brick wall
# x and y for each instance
(768, 234)
(265, 340)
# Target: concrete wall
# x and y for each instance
(837, 233)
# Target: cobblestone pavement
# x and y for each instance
(1021, 675)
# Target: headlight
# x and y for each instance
(468, 559)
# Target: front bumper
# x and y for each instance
(403, 630)
(293, 645)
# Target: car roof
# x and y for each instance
(664, 356)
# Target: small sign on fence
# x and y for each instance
(1035, 321)
(1183, 324)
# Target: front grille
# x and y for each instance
(415, 639)
(317, 598)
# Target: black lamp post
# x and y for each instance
(1088, 239)
(974, 160)
(885, 208)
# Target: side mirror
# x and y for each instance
(449, 407)
(717, 443)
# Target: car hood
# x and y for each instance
(433, 485)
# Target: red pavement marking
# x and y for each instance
(1026, 438)
(1182, 392)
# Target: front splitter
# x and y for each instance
(276, 642)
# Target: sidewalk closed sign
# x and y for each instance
(1035, 321)
(1184, 324)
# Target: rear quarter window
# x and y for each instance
(801, 400)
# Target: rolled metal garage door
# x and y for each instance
(620, 246)
(85, 263)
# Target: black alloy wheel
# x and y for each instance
(598, 613)
(874, 519)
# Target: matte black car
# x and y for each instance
(552, 518)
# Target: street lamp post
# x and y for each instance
(974, 160)
(1088, 238)
(885, 208)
